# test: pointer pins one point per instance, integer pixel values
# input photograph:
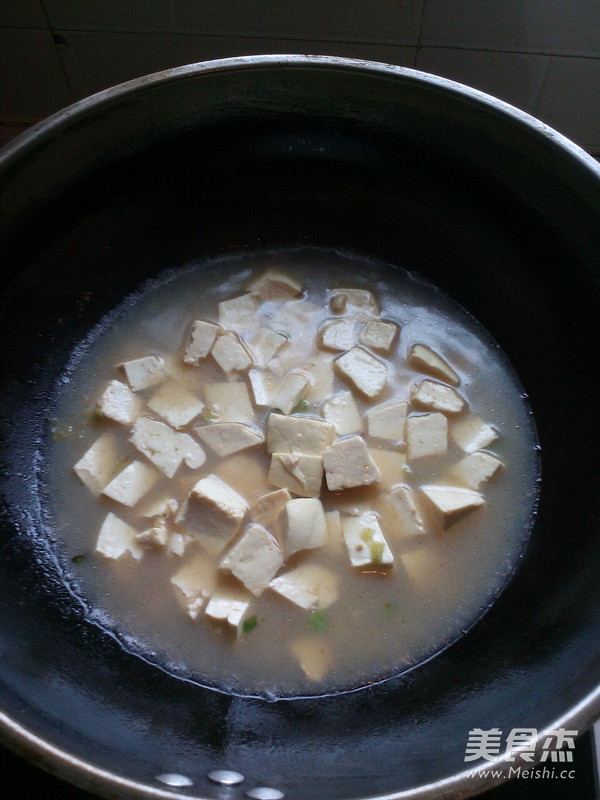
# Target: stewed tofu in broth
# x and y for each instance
(313, 456)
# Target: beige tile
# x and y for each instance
(536, 26)
(513, 77)
(31, 76)
(383, 21)
(95, 61)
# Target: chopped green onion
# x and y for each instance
(318, 621)
(249, 624)
(300, 407)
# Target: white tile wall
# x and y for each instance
(541, 55)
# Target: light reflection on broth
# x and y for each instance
(368, 618)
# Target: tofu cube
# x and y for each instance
(230, 608)
(275, 285)
(388, 421)
(347, 464)
(364, 371)
(304, 525)
(472, 434)
(322, 376)
(212, 513)
(164, 447)
(391, 464)
(451, 503)
(424, 359)
(313, 655)
(338, 334)
(254, 559)
(264, 344)
(379, 335)
(200, 341)
(426, 435)
(162, 508)
(437, 397)
(230, 402)
(263, 385)
(301, 474)
(131, 484)
(240, 313)
(341, 411)
(97, 465)
(116, 538)
(196, 581)
(175, 404)
(230, 353)
(309, 586)
(118, 403)
(293, 389)
(475, 469)
(225, 438)
(142, 373)
(365, 542)
(267, 509)
(401, 514)
(361, 299)
(298, 434)
(154, 538)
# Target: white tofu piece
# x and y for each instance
(451, 503)
(264, 345)
(226, 438)
(420, 564)
(200, 341)
(254, 559)
(267, 509)
(240, 313)
(230, 353)
(391, 464)
(365, 541)
(196, 581)
(142, 373)
(424, 359)
(314, 656)
(117, 538)
(177, 544)
(293, 389)
(131, 484)
(154, 538)
(437, 397)
(161, 508)
(379, 335)
(347, 463)
(213, 513)
(298, 434)
(301, 474)
(304, 525)
(335, 540)
(275, 285)
(426, 435)
(175, 404)
(388, 421)
(263, 385)
(364, 371)
(402, 514)
(308, 586)
(322, 375)
(338, 334)
(164, 447)
(358, 298)
(341, 410)
(475, 469)
(229, 607)
(230, 402)
(97, 465)
(118, 403)
(472, 434)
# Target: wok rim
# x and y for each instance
(83, 773)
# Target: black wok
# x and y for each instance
(492, 206)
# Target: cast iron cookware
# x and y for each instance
(492, 206)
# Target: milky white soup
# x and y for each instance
(290, 472)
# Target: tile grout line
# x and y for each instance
(65, 74)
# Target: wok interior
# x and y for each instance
(496, 213)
